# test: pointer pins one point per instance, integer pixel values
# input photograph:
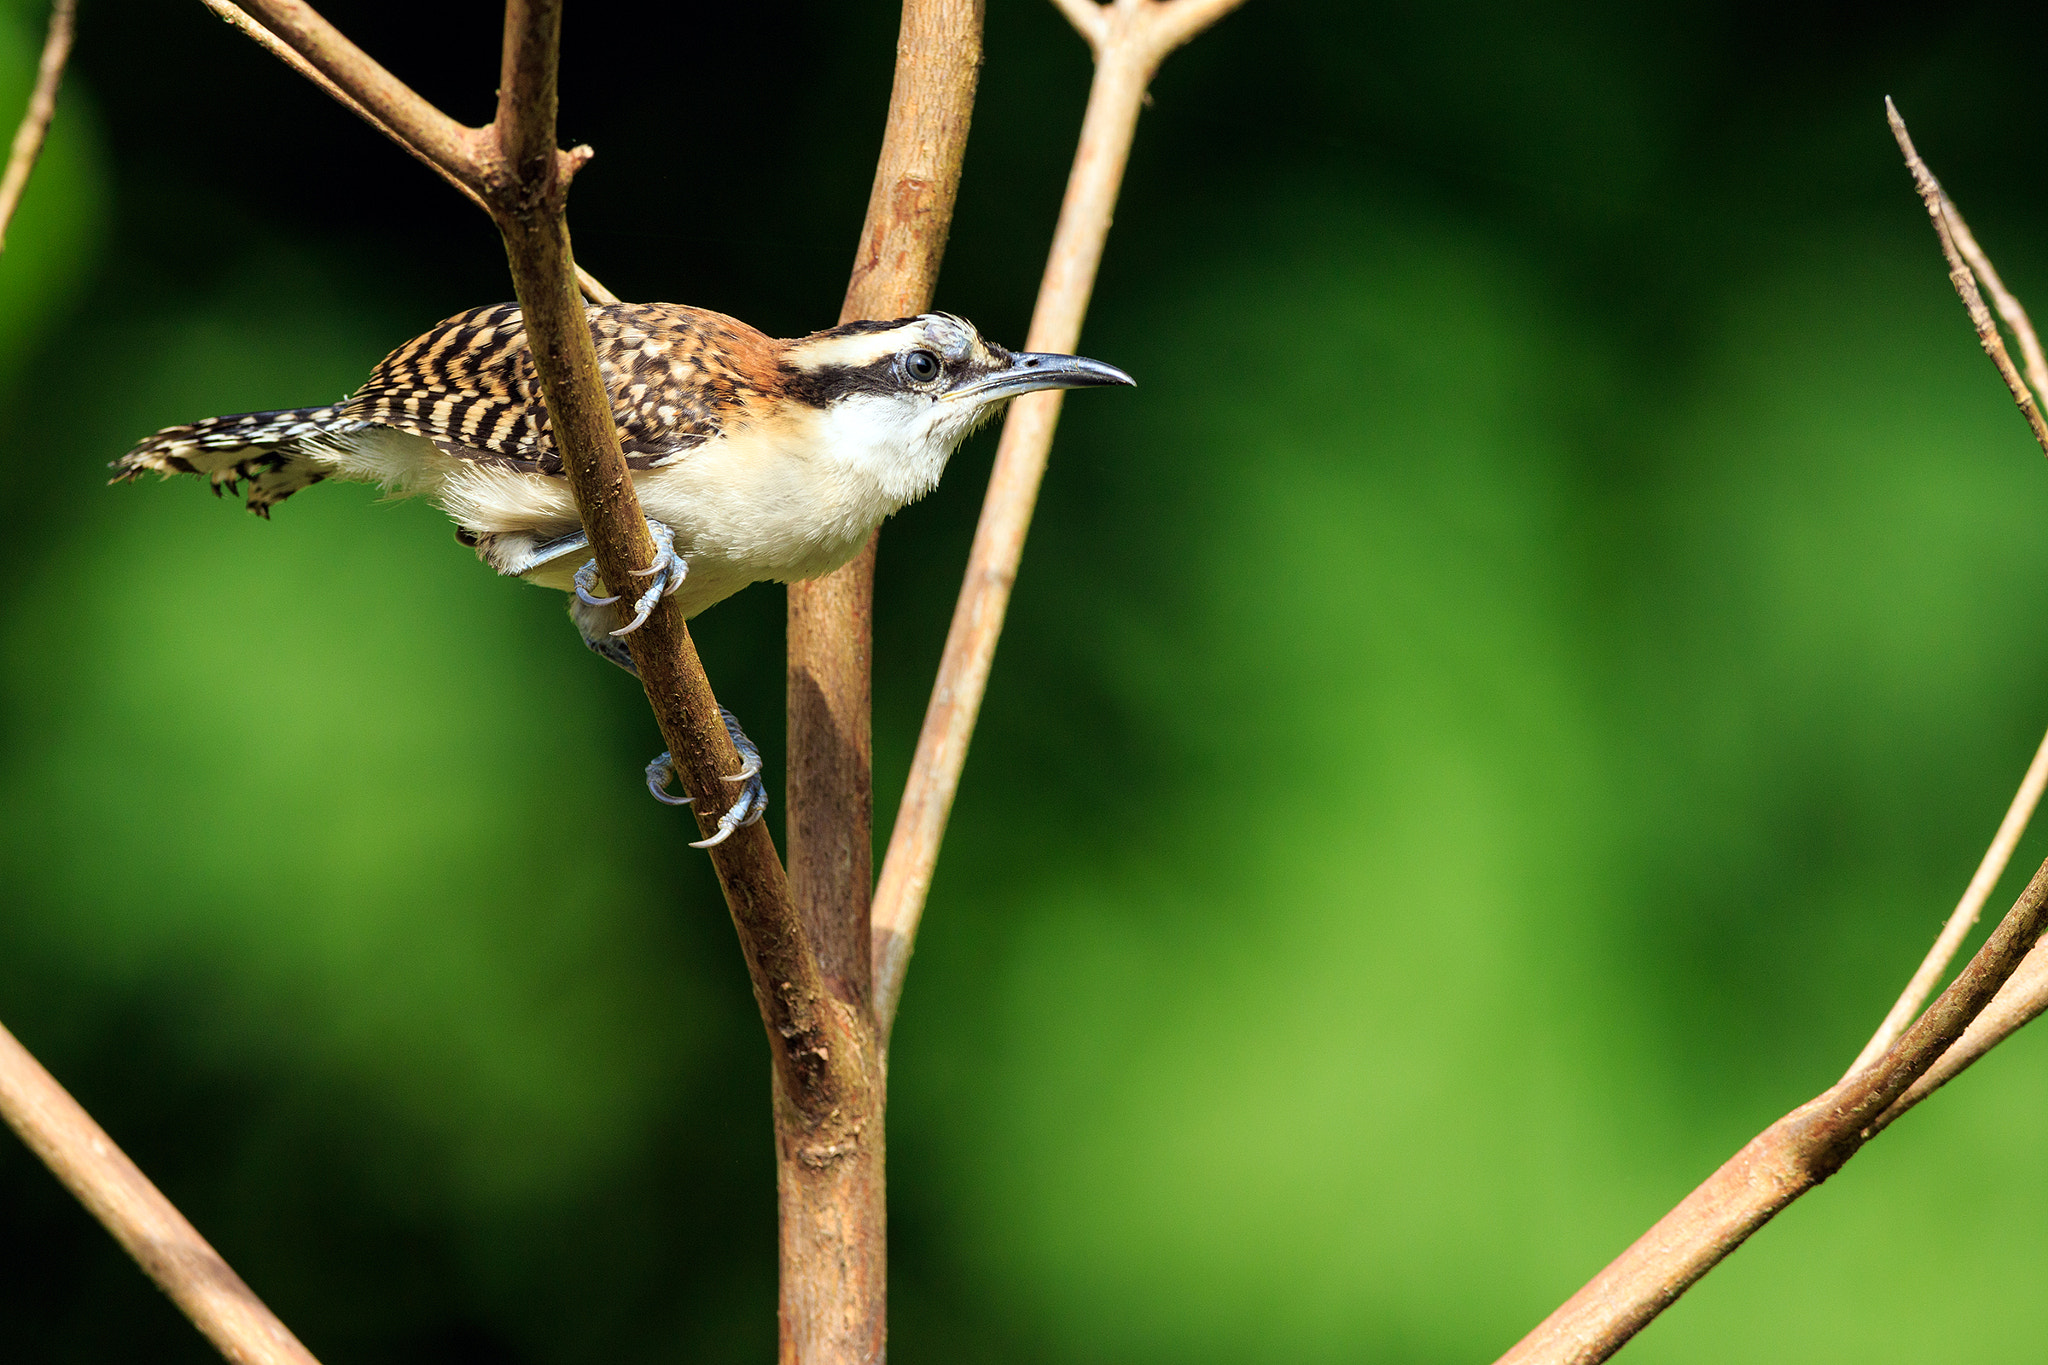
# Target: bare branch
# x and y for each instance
(1936, 200)
(42, 107)
(1137, 36)
(830, 801)
(168, 1248)
(525, 180)
(2008, 306)
(1989, 870)
(271, 43)
(395, 106)
(834, 1223)
(1778, 1165)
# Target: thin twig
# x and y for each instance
(1989, 870)
(167, 1247)
(2008, 307)
(276, 47)
(1783, 1162)
(1129, 38)
(42, 107)
(1936, 200)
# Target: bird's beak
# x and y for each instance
(1029, 371)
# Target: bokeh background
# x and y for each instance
(1485, 727)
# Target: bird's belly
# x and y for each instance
(753, 520)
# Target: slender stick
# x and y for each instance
(1989, 870)
(1938, 211)
(1968, 266)
(42, 107)
(1783, 1162)
(525, 179)
(2008, 307)
(1129, 38)
(168, 1248)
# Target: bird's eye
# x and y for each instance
(921, 366)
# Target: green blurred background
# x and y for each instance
(1547, 641)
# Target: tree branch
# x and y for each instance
(168, 1248)
(271, 43)
(834, 1221)
(1783, 1162)
(1129, 38)
(42, 107)
(514, 169)
(830, 798)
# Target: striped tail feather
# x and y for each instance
(272, 451)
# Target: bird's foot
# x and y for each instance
(667, 572)
(752, 803)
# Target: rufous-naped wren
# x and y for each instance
(753, 458)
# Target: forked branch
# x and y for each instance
(2003, 987)
(1129, 38)
(1783, 1162)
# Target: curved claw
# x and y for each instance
(586, 579)
(749, 809)
(667, 570)
(659, 772)
(749, 804)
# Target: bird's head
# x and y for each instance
(902, 395)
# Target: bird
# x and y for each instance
(755, 459)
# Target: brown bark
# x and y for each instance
(830, 1182)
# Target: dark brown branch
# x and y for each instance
(525, 180)
(520, 176)
(2019, 1002)
(42, 107)
(1939, 210)
(168, 1248)
(1783, 1162)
